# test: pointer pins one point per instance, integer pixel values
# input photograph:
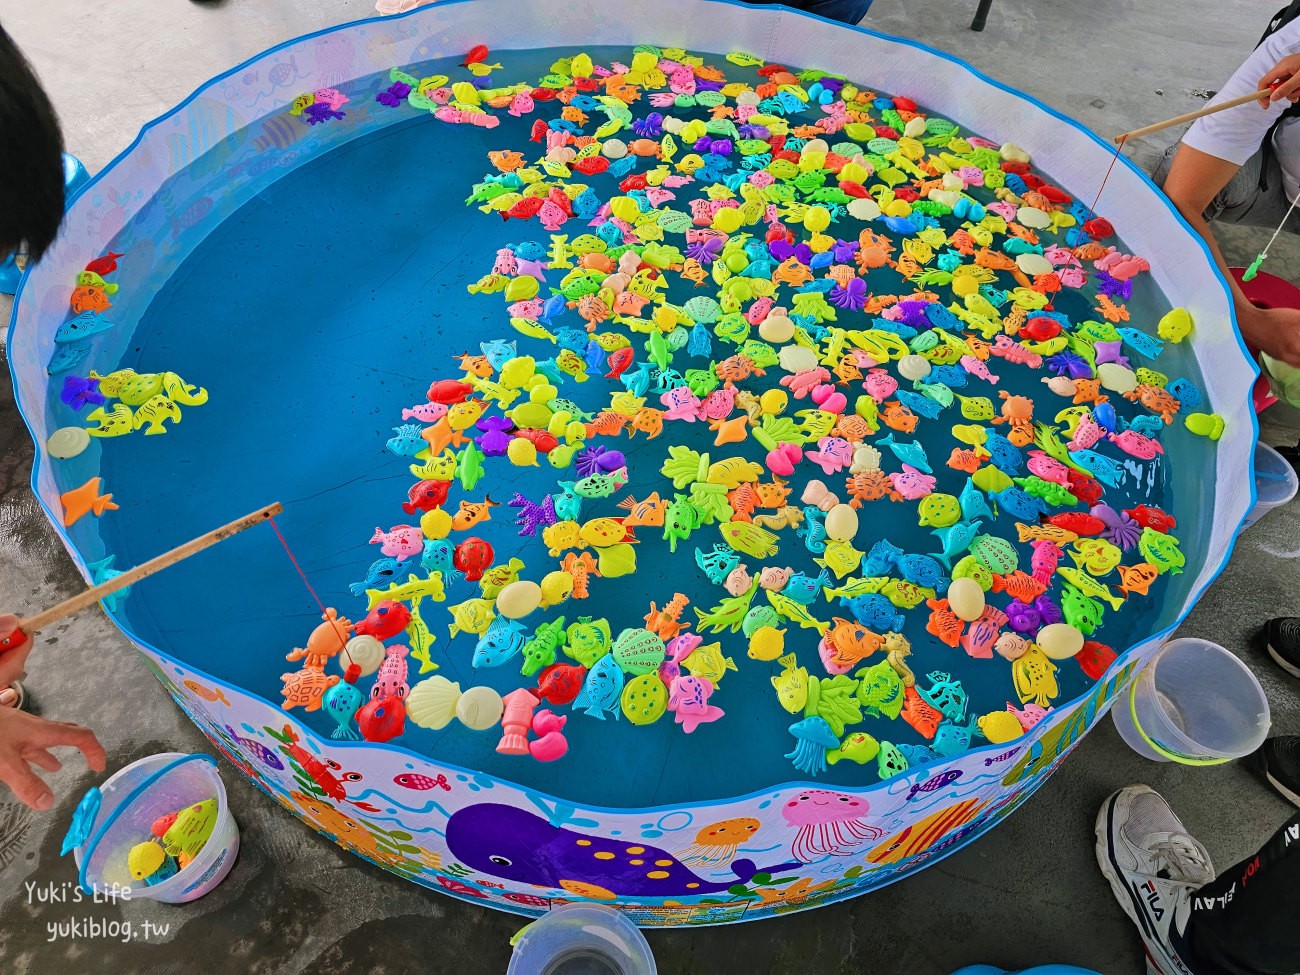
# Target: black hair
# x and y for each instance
(31, 158)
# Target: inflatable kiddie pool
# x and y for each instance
(306, 262)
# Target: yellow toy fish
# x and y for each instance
(1089, 586)
(858, 587)
(191, 830)
(471, 616)
(301, 104)
(794, 611)
(414, 590)
(758, 543)
(626, 403)
(708, 662)
(560, 536)
(791, 685)
(533, 330)
(145, 859)
(1034, 677)
(421, 639)
(1095, 556)
(603, 532)
(440, 468)
(498, 577)
(840, 557)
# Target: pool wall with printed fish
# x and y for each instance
(225, 178)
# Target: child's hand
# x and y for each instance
(26, 740)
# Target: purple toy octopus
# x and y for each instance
(705, 251)
(853, 297)
(1121, 529)
(1023, 618)
(650, 127)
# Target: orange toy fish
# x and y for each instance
(1019, 585)
(1047, 533)
(851, 642)
(475, 365)
(944, 623)
(743, 501)
(471, 513)
(922, 717)
(898, 417)
(506, 161)
(81, 501)
(1136, 578)
(964, 460)
(649, 512)
(90, 298)
(607, 424)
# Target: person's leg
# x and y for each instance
(1254, 196)
(1242, 923)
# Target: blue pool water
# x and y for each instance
(327, 303)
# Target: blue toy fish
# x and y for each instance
(874, 611)
(920, 405)
(953, 739)
(637, 381)
(700, 343)
(1103, 468)
(602, 689)
(1185, 392)
(502, 640)
(438, 557)
(568, 503)
(1019, 504)
(717, 564)
(498, 352)
(973, 505)
(1141, 342)
(407, 442)
(955, 539)
(881, 559)
(85, 325)
(909, 453)
(921, 570)
(1006, 457)
(804, 589)
(103, 571)
(381, 571)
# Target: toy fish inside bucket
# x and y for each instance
(159, 828)
(581, 939)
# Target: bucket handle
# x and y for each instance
(1160, 749)
(89, 847)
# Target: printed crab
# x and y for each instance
(870, 486)
(1157, 400)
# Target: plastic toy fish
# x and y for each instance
(400, 542)
(709, 663)
(471, 616)
(602, 690)
(1089, 586)
(190, 832)
(791, 685)
(1161, 550)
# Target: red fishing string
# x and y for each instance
(324, 612)
(1114, 159)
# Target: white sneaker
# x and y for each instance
(1153, 866)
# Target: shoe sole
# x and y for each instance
(1128, 899)
(1286, 793)
(1278, 659)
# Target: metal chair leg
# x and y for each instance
(981, 15)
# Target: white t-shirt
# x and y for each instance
(1236, 134)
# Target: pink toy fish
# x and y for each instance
(1048, 468)
(718, 404)
(332, 97)
(911, 483)
(688, 699)
(1137, 445)
(833, 454)
(425, 412)
(982, 634)
(521, 104)
(682, 404)
(880, 385)
(400, 541)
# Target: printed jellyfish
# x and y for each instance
(813, 736)
(717, 842)
(828, 824)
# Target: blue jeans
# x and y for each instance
(845, 11)
(1044, 970)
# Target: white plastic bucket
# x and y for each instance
(1275, 483)
(582, 939)
(1195, 704)
(129, 802)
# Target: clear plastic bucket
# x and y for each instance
(128, 804)
(1275, 483)
(1195, 704)
(582, 939)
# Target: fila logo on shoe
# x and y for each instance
(1152, 897)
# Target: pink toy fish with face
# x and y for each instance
(911, 483)
(688, 698)
(681, 404)
(400, 541)
(718, 404)
(332, 97)
(521, 104)
(880, 385)
(833, 454)
(758, 311)
(773, 578)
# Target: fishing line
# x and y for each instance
(303, 575)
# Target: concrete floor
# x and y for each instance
(1028, 893)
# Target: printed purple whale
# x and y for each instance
(513, 844)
